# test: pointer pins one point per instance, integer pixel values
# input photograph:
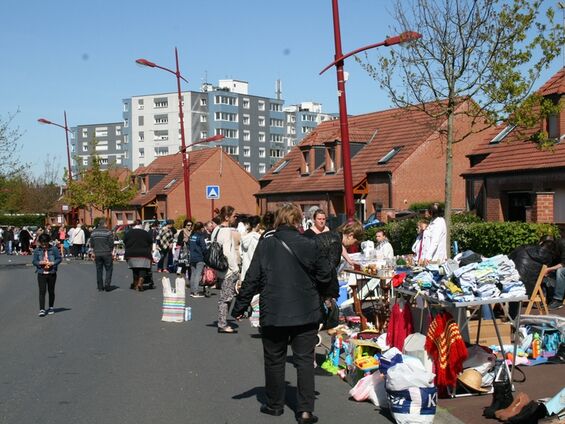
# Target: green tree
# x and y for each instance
(99, 189)
(490, 51)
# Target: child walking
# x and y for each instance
(46, 258)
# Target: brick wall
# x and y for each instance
(543, 207)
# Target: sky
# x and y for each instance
(79, 57)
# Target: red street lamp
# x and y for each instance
(67, 131)
(216, 137)
(344, 124)
(185, 166)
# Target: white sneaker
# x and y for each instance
(196, 295)
(50, 311)
(41, 313)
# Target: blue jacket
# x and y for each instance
(197, 247)
(53, 255)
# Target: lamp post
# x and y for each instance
(344, 124)
(185, 165)
(67, 131)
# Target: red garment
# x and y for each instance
(399, 326)
(447, 349)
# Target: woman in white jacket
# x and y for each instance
(249, 242)
(435, 236)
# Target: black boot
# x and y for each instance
(501, 398)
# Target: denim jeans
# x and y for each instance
(103, 262)
(559, 292)
(195, 276)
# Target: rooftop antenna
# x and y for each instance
(278, 89)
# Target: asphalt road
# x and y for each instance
(108, 358)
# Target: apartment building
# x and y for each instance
(302, 118)
(106, 141)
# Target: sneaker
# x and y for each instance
(41, 313)
(555, 304)
(50, 311)
(196, 295)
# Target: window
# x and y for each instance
(280, 167)
(126, 107)
(502, 134)
(276, 138)
(227, 133)
(247, 166)
(161, 119)
(118, 130)
(141, 137)
(84, 132)
(553, 124)
(245, 103)
(140, 120)
(246, 152)
(100, 147)
(141, 153)
(126, 122)
(291, 130)
(225, 100)
(276, 153)
(262, 168)
(103, 161)
(203, 118)
(126, 138)
(160, 103)
(261, 105)
(276, 122)
(392, 153)
(203, 134)
(275, 107)
(203, 101)
(291, 119)
(225, 116)
(261, 152)
(161, 151)
(305, 129)
(261, 121)
(140, 104)
(85, 161)
(161, 135)
(246, 135)
(85, 147)
(306, 162)
(118, 160)
(231, 150)
(309, 118)
(118, 146)
(246, 120)
(101, 132)
(261, 137)
(170, 183)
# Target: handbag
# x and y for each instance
(214, 257)
(209, 276)
(328, 306)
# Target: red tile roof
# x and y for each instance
(171, 166)
(380, 131)
(516, 152)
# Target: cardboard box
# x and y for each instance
(488, 333)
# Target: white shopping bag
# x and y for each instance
(173, 300)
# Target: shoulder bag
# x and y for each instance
(214, 257)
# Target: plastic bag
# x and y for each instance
(371, 387)
(156, 256)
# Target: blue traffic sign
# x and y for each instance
(212, 192)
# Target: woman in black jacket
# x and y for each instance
(138, 244)
(283, 270)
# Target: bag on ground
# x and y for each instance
(173, 300)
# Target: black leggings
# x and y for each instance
(46, 282)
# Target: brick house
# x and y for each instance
(511, 179)
(397, 159)
(161, 186)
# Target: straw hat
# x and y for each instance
(472, 379)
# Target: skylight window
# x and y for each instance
(170, 183)
(502, 134)
(392, 153)
(280, 167)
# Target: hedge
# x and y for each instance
(21, 220)
(486, 238)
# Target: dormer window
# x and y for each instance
(330, 159)
(305, 168)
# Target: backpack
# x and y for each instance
(214, 256)
(209, 276)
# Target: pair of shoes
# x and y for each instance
(108, 288)
(41, 313)
(306, 418)
(227, 330)
(555, 304)
(50, 311)
(276, 412)
(100, 289)
(196, 295)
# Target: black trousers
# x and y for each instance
(103, 262)
(46, 283)
(303, 341)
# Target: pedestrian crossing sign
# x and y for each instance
(212, 192)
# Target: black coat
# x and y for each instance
(529, 260)
(138, 244)
(289, 296)
(330, 245)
